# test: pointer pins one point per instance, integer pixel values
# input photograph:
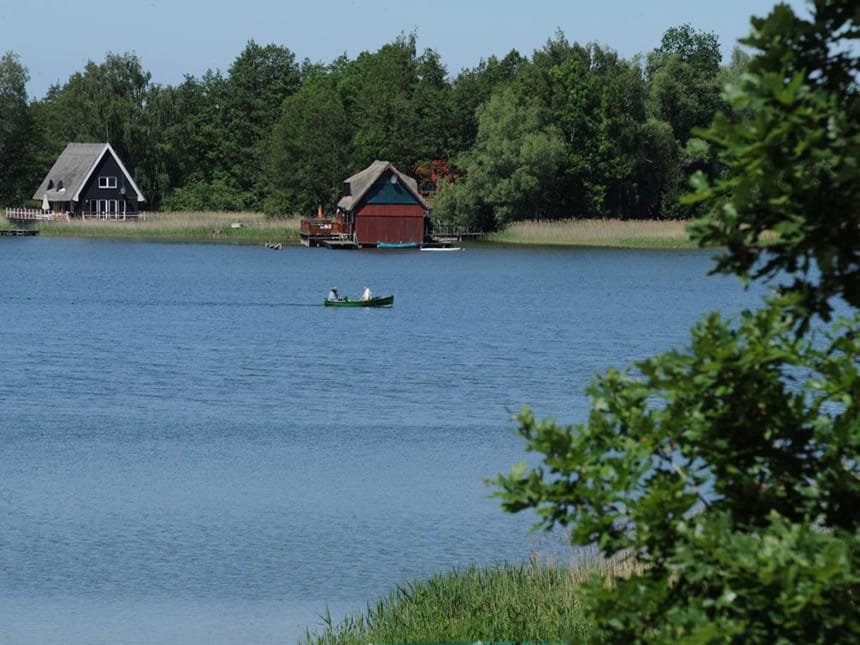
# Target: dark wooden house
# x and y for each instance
(381, 204)
(90, 180)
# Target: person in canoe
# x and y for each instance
(366, 294)
(333, 294)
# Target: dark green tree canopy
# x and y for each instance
(700, 50)
(309, 149)
(16, 129)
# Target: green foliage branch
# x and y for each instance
(795, 180)
(730, 470)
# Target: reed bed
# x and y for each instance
(537, 602)
(255, 228)
(598, 232)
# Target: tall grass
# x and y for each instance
(591, 232)
(212, 226)
(257, 228)
(538, 601)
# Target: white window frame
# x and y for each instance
(107, 182)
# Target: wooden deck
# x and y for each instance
(456, 236)
(341, 243)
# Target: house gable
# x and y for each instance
(386, 191)
(108, 166)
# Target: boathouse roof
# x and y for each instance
(73, 170)
(357, 186)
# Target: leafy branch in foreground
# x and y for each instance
(731, 469)
(795, 175)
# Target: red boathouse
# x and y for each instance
(381, 204)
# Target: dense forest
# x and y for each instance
(573, 131)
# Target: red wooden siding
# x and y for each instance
(392, 223)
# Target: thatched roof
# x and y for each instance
(73, 169)
(361, 182)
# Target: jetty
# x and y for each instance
(339, 243)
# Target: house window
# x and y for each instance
(107, 182)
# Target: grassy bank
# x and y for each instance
(538, 602)
(606, 232)
(255, 228)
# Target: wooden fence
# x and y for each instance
(38, 215)
(31, 215)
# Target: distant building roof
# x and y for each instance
(73, 169)
(361, 182)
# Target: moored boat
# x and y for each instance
(390, 245)
(382, 301)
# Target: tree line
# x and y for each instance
(573, 131)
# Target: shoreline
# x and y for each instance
(256, 228)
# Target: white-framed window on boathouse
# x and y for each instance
(107, 182)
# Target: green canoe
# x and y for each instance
(384, 301)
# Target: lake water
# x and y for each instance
(194, 450)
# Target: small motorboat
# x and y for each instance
(382, 301)
(441, 248)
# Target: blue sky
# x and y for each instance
(172, 38)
